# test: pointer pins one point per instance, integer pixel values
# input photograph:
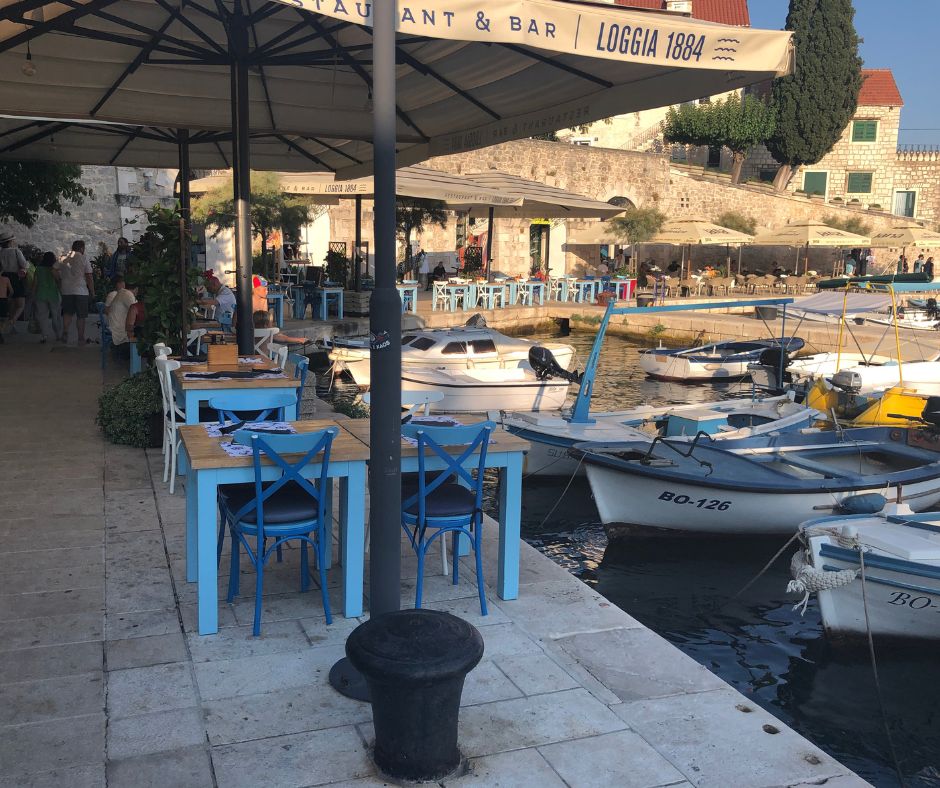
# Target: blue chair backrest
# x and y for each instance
(308, 445)
(225, 320)
(301, 367)
(435, 441)
(590, 278)
(267, 402)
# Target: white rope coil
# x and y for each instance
(807, 579)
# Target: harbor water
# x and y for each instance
(685, 589)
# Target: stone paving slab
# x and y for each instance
(102, 672)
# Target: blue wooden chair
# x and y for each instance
(301, 368)
(290, 507)
(444, 501)
(105, 333)
(251, 405)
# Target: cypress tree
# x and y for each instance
(816, 102)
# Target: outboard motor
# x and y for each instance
(848, 380)
(476, 321)
(765, 374)
(931, 412)
(545, 366)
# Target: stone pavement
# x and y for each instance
(103, 680)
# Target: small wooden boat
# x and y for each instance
(551, 434)
(761, 485)
(902, 573)
(718, 361)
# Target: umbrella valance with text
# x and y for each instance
(469, 74)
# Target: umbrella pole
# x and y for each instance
(183, 137)
(238, 44)
(357, 263)
(489, 241)
(385, 328)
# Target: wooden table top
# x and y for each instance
(205, 452)
(207, 324)
(244, 383)
(501, 440)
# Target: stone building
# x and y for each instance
(864, 167)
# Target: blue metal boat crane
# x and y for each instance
(580, 413)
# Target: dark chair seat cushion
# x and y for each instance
(448, 500)
(291, 504)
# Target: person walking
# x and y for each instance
(46, 301)
(75, 279)
(13, 265)
(919, 264)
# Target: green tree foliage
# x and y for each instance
(734, 123)
(271, 209)
(412, 215)
(637, 225)
(33, 186)
(815, 103)
(155, 267)
(850, 224)
(735, 220)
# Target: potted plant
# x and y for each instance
(337, 267)
(131, 413)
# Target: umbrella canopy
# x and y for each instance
(537, 200)
(415, 181)
(466, 78)
(598, 234)
(908, 235)
(680, 232)
(810, 234)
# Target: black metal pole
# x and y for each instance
(489, 242)
(385, 359)
(357, 274)
(185, 213)
(548, 249)
(385, 329)
(238, 45)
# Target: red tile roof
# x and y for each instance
(879, 89)
(725, 12)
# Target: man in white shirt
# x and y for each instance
(223, 298)
(116, 307)
(74, 271)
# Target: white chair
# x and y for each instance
(263, 337)
(196, 336)
(441, 298)
(278, 354)
(160, 349)
(171, 414)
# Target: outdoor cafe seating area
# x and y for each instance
(258, 479)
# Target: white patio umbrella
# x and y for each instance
(907, 235)
(694, 231)
(807, 234)
(352, 86)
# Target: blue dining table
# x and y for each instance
(491, 292)
(531, 290)
(322, 298)
(408, 292)
(506, 453)
(210, 467)
(276, 300)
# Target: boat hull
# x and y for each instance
(902, 602)
(676, 368)
(482, 397)
(633, 500)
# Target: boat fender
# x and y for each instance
(866, 503)
(808, 580)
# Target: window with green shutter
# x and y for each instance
(859, 183)
(864, 130)
(815, 182)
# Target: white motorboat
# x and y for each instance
(551, 435)
(902, 573)
(467, 347)
(479, 390)
(761, 485)
(915, 319)
(715, 362)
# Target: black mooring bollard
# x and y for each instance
(415, 662)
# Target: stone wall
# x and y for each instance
(119, 194)
(919, 171)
